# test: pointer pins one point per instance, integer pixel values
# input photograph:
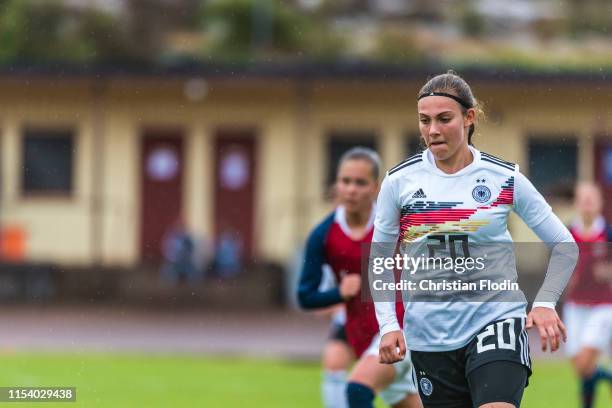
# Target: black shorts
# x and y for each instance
(337, 332)
(494, 367)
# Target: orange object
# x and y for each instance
(12, 243)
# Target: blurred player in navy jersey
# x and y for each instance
(339, 242)
(588, 308)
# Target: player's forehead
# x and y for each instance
(586, 191)
(357, 168)
(435, 105)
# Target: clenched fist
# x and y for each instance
(350, 285)
(392, 347)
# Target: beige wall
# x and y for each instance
(57, 228)
(292, 125)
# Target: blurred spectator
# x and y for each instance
(178, 248)
(228, 260)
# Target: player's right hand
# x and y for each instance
(350, 286)
(392, 347)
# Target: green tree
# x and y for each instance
(472, 22)
(252, 28)
(49, 31)
(396, 46)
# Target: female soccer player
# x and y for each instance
(339, 242)
(588, 306)
(468, 353)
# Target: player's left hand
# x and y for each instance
(549, 325)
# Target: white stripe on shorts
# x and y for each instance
(521, 337)
(525, 343)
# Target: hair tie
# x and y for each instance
(456, 98)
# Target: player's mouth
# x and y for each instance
(437, 143)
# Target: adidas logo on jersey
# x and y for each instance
(419, 194)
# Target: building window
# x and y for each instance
(339, 143)
(47, 161)
(553, 165)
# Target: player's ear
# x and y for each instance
(469, 118)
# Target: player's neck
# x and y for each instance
(358, 219)
(588, 222)
(461, 159)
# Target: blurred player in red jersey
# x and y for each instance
(588, 310)
(339, 242)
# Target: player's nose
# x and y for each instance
(352, 189)
(433, 129)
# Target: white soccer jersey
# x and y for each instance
(417, 200)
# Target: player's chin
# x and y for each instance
(354, 206)
(439, 150)
(350, 206)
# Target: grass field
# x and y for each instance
(116, 380)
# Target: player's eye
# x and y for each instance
(361, 182)
(424, 121)
(445, 119)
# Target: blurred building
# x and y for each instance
(96, 166)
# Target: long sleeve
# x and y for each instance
(537, 214)
(386, 229)
(309, 295)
